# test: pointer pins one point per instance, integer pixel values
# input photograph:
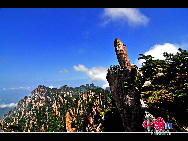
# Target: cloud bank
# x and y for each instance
(157, 51)
(132, 16)
(8, 105)
(94, 74)
(18, 88)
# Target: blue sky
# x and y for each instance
(56, 47)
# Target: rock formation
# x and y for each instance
(65, 109)
(121, 53)
(70, 117)
(121, 80)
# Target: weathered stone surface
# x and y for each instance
(70, 117)
(121, 80)
(121, 53)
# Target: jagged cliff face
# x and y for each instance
(29, 109)
(121, 78)
(60, 110)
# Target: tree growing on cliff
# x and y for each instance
(168, 83)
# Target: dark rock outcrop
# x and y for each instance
(127, 99)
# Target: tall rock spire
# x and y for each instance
(121, 53)
(125, 95)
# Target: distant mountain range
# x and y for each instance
(60, 110)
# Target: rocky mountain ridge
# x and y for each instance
(64, 109)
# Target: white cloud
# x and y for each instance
(51, 87)
(131, 15)
(97, 74)
(157, 51)
(63, 71)
(26, 88)
(94, 74)
(8, 105)
(105, 85)
(81, 68)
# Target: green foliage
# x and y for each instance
(169, 79)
